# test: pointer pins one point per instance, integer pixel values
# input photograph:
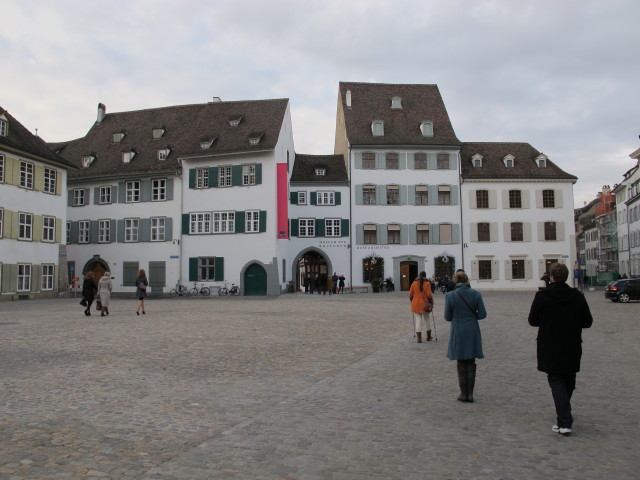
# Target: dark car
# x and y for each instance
(623, 290)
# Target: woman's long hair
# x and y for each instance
(141, 273)
(421, 279)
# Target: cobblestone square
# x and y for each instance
(303, 387)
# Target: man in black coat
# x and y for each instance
(560, 312)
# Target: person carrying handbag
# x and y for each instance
(141, 290)
(421, 298)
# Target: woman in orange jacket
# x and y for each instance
(419, 293)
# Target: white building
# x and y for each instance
(32, 213)
(628, 219)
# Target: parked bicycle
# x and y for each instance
(179, 291)
(204, 290)
(226, 290)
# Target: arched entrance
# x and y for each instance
(310, 265)
(408, 273)
(255, 280)
(444, 266)
(97, 266)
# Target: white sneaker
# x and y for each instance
(561, 430)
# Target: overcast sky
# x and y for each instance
(563, 76)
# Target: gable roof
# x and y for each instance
(372, 101)
(185, 128)
(22, 140)
(524, 164)
(305, 166)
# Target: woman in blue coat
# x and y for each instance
(463, 307)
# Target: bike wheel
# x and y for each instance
(223, 291)
(205, 291)
(184, 292)
(193, 292)
(173, 292)
(235, 291)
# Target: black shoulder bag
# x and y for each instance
(475, 312)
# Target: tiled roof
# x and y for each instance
(304, 168)
(372, 101)
(20, 138)
(186, 127)
(493, 167)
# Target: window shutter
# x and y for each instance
(344, 227)
(263, 221)
(36, 277)
(93, 231)
(36, 227)
(168, 228)
(402, 160)
(453, 161)
(193, 269)
(96, 195)
(527, 232)
(381, 160)
(434, 233)
(236, 175)
(120, 231)
(558, 198)
(359, 234)
(239, 222)
(58, 230)
(410, 161)
(157, 274)
(493, 199)
(169, 188)
(87, 196)
(528, 269)
(359, 196)
(411, 194)
(70, 198)
(493, 232)
(122, 192)
(192, 178)
(185, 224)
(381, 194)
(383, 237)
(560, 230)
(541, 231)
(526, 201)
(219, 266)
(294, 227)
(404, 234)
(403, 195)
(144, 234)
(454, 195)
(455, 233)
(145, 186)
(258, 173)
(431, 161)
(129, 273)
(313, 198)
(475, 271)
(433, 195)
(112, 226)
(473, 231)
(213, 177)
(74, 232)
(506, 231)
(538, 194)
(412, 234)
(505, 199)
(319, 227)
(357, 159)
(338, 198)
(293, 198)
(473, 199)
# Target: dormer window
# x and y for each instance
(118, 136)
(128, 156)
(396, 102)
(87, 160)
(206, 143)
(4, 127)
(163, 153)
(377, 128)
(320, 171)
(426, 128)
(541, 161)
(254, 138)
(508, 161)
(158, 132)
(235, 121)
(476, 160)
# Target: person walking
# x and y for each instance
(341, 280)
(141, 290)
(560, 312)
(463, 307)
(334, 279)
(88, 291)
(104, 293)
(419, 293)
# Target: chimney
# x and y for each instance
(102, 111)
(216, 100)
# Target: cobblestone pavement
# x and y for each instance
(303, 387)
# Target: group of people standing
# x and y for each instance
(559, 311)
(103, 291)
(324, 283)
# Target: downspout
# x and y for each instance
(460, 203)
(351, 229)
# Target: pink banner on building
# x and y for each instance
(283, 201)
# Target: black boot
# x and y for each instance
(471, 379)
(462, 380)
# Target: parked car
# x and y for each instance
(623, 290)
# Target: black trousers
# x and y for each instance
(562, 387)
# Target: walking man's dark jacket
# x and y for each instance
(560, 312)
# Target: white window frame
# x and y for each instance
(393, 233)
(252, 221)
(202, 178)
(84, 227)
(104, 231)
(24, 277)
(48, 228)
(48, 275)
(443, 163)
(307, 227)
(325, 198)
(370, 233)
(1, 168)
(105, 195)
(26, 175)
(225, 176)
(206, 266)
(127, 157)
(78, 197)
(131, 230)
(248, 175)
(302, 198)
(422, 195)
(377, 128)
(332, 227)
(393, 194)
(158, 225)
(369, 193)
(50, 180)
(163, 153)
(133, 189)
(426, 128)
(422, 227)
(224, 222)
(199, 223)
(159, 190)
(444, 193)
(4, 128)
(25, 226)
